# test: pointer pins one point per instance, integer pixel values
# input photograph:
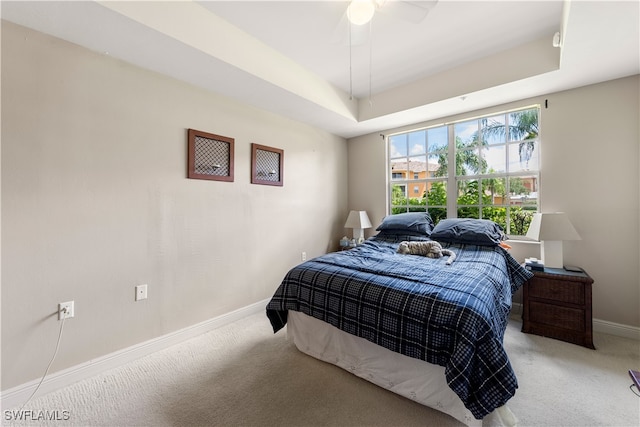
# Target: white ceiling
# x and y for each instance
(293, 57)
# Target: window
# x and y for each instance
(495, 173)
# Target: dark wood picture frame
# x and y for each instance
(209, 156)
(267, 165)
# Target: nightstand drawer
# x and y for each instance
(557, 303)
(571, 292)
(558, 316)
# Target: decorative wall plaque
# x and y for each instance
(209, 156)
(267, 165)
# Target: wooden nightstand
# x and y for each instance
(557, 304)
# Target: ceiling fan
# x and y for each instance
(353, 29)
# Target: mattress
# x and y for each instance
(414, 379)
(453, 316)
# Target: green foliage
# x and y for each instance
(396, 192)
(516, 186)
(495, 186)
(435, 199)
(497, 215)
(470, 193)
(476, 200)
(437, 214)
(435, 202)
(520, 220)
(437, 195)
(466, 159)
(523, 125)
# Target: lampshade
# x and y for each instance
(358, 220)
(551, 228)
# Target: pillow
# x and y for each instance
(468, 230)
(407, 223)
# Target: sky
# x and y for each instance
(414, 144)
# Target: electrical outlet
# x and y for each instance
(65, 310)
(303, 256)
(141, 292)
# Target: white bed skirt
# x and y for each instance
(416, 380)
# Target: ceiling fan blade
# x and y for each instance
(412, 11)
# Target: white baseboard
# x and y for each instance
(602, 326)
(18, 395)
(616, 329)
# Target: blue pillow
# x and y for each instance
(468, 231)
(407, 223)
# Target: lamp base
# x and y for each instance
(551, 253)
(358, 235)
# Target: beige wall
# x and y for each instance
(95, 201)
(589, 169)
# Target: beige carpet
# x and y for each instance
(244, 375)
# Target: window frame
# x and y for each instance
(507, 201)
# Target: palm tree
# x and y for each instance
(523, 125)
(466, 158)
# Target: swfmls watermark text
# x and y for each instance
(36, 415)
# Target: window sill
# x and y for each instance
(522, 242)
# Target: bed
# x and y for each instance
(423, 329)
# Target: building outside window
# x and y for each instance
(495, 173)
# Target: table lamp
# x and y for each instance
(550, 229)
(358, 220)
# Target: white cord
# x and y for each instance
(350, 66)
(55, 353)
(370, 58)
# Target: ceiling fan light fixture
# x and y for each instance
(360, 12)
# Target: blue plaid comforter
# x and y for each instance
(453, 316)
